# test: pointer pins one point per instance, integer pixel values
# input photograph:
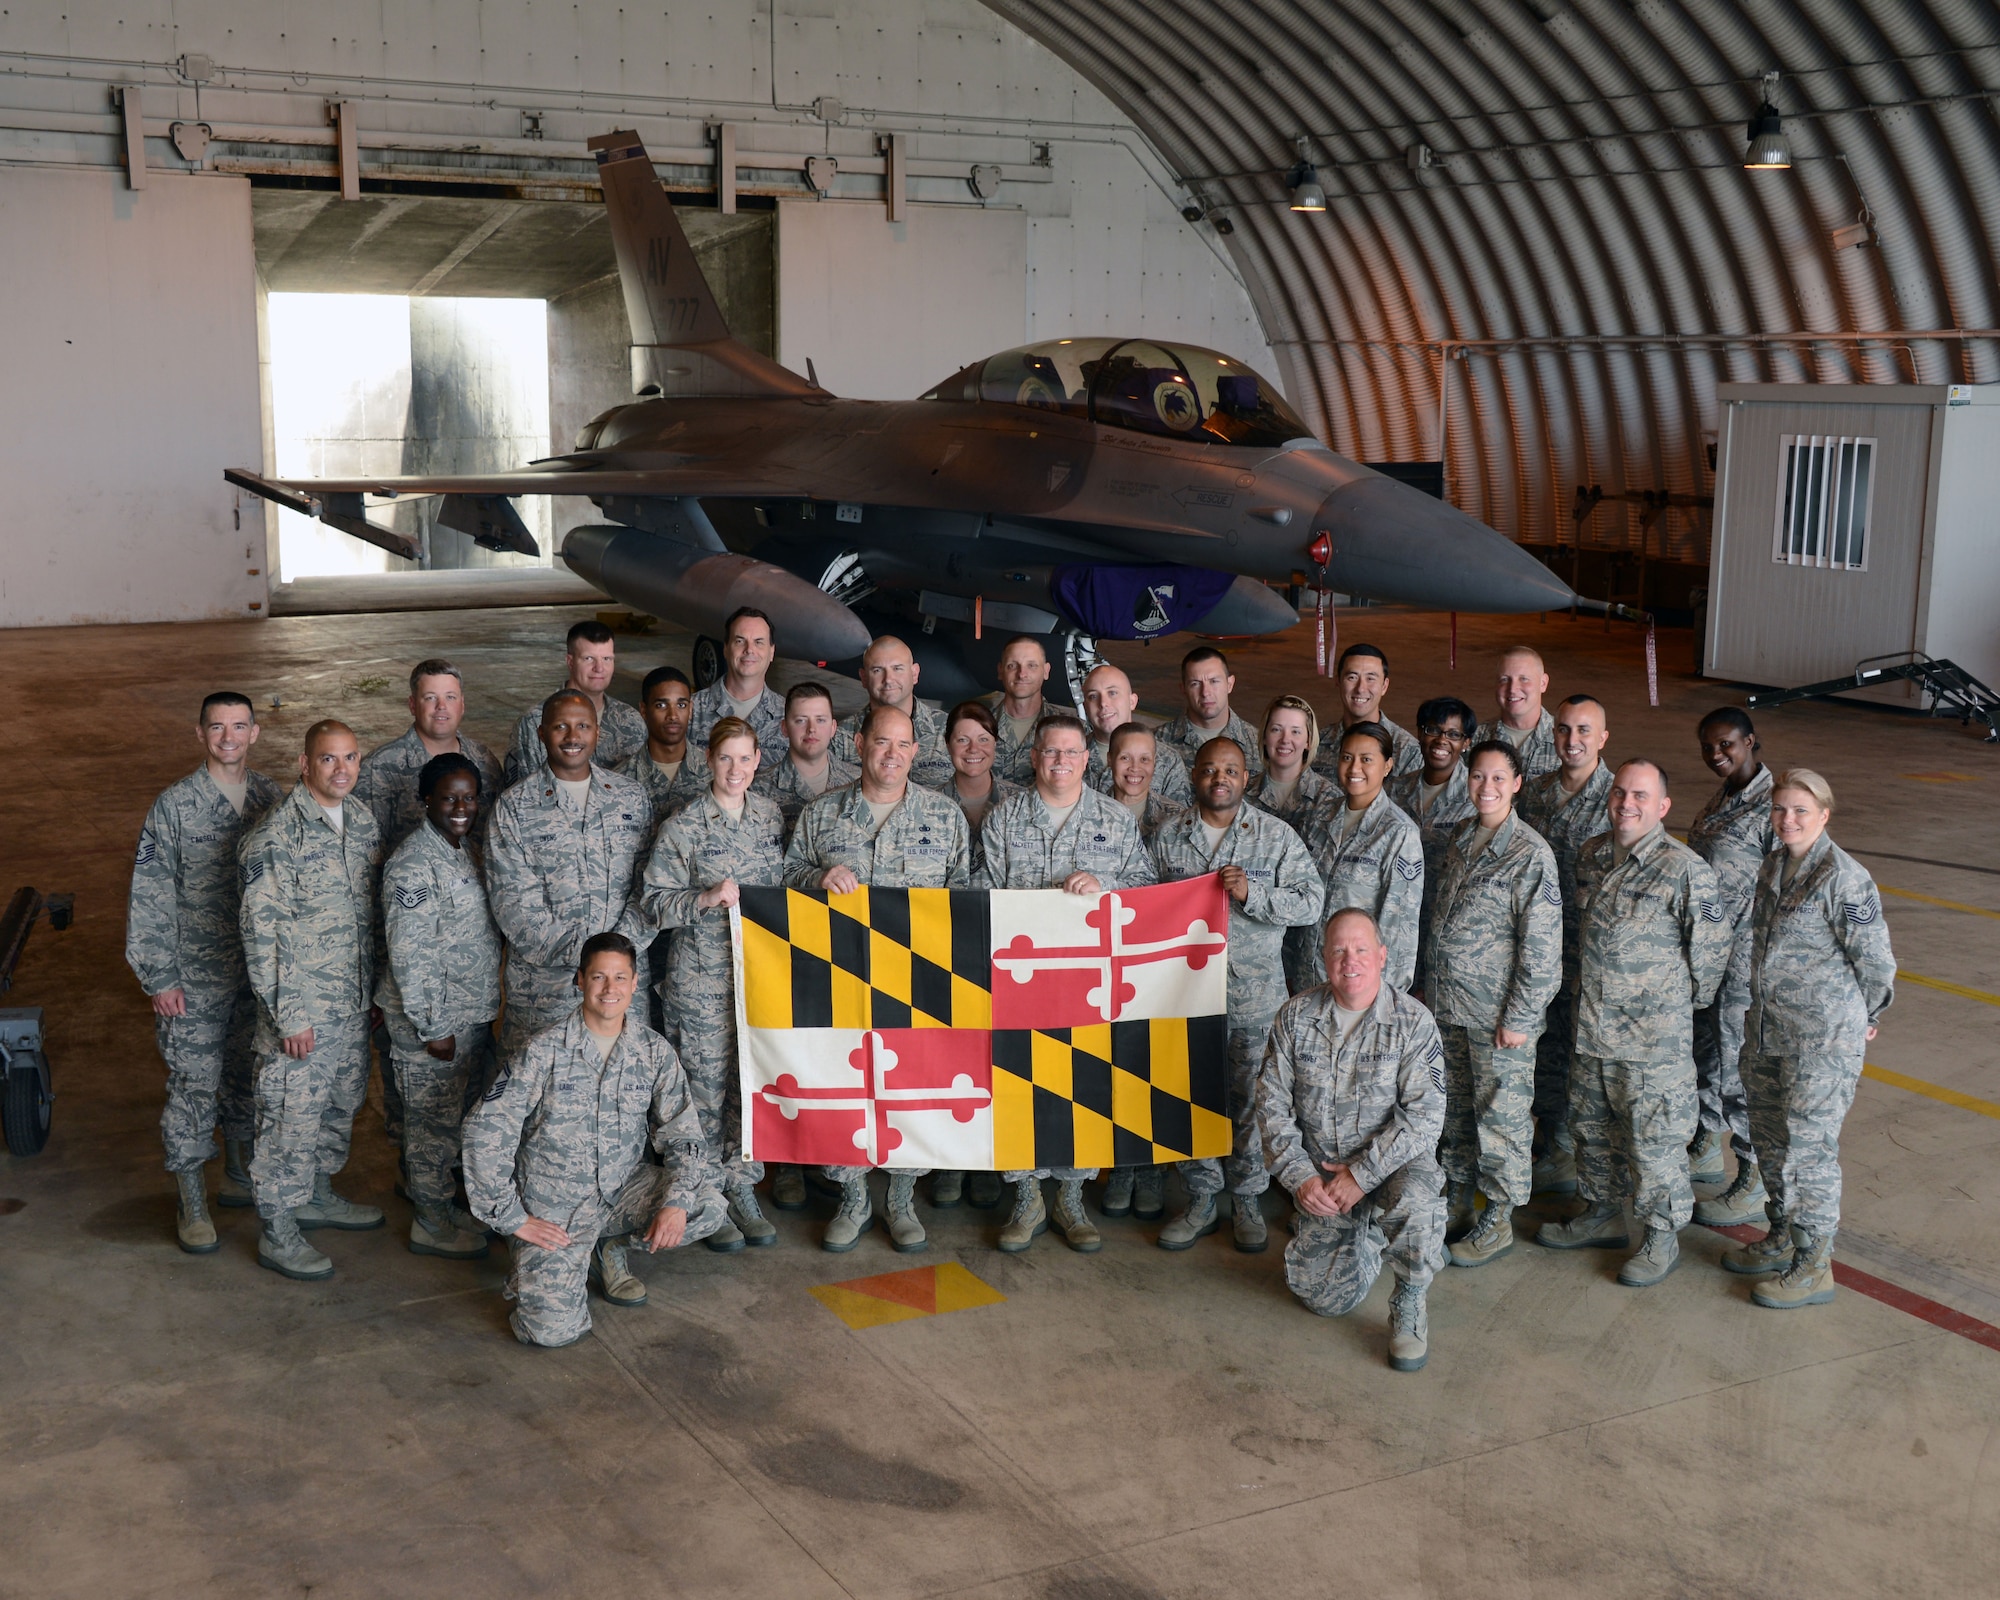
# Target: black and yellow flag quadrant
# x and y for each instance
(881, 958)
(1120, 1094)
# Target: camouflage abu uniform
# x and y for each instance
(1495, 958)
(1285, 892)
(1376, 866)
(621, 732)
(1437, 814)
(1651, 948)
(1014, 758)
(555, 876)
(697, 849)
(440, 980)
(1312, 790)
(1170, 773)
(973, 823)
(1181, 736)
(1566, 821)
(781, 783)
(1024, 850)
(930, 766)
(922, 844)
(669, 795)
(1536, 748)
(308, 920)
(387, 783)
(1821, 975)
(561, 1136)
(1733, 835)
(1373, 1101)
(181, 933)
(766, 717)
(1409, 754)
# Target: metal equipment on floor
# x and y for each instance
(1948, 689)
(26, 1096)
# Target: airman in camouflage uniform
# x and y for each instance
(1494, 959)
(308, 919)
(1376, 866)
(1024, 670)
(809, 730)
(742, 692)
(1366, 1105)
(559, 871)
(1027, 848)
(1523, 682)
(1444, 733)
(1409, 754)
(439, 989)
(1312, 790)
(1206, 685)
(783, 787)
(1652, 946)
(1109, 704)
(388, 782)
(1273, 885)
(1363, 675)
(889, 673)
(593, 662)
(561, 1138)
(1733, 835)
(697, 850)
(1821, 975)
(1566, 819)
(921, 842)
(668, 795)
(184, 946)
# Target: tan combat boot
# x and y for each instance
(899, 1214)
(1029, 1217)
(844, 1232)
(1653, 1260)
(1705, 1162)
(1117, 1198)
(948, 1190)
(1742, 1202)
(234, 1190)
(788, 1188)
(1409, 1329)
(1247, 1224)
(748, 1218)
(1197, 1222)
(621, 1287)
(1489, 1241)
(1808, 1281)
(1074, 1221)
(1599, 1228)
(191, 1220)
(440, 1234)
(1149, 1193)
(283, 1249)
(1772, 1253)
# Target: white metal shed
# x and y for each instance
(1853, 520)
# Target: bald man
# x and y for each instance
(1108, 704)
(889, 673)
(310, 871)
(1523, 721)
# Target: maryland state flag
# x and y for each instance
(983, 1029)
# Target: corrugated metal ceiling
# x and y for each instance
(1584, 259)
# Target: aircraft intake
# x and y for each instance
(699, 589)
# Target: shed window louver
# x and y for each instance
(1825, 491)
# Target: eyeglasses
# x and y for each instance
(1432, 731)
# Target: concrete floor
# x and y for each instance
(1128, 1425)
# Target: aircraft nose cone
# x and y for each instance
(1392, 542)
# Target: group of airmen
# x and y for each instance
(1467, 965)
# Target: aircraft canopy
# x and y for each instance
(1178, 392)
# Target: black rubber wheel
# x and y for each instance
(26, 1113)
(708, 663)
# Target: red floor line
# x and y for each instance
(1894, 1296)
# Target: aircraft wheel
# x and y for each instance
(26, 1110)
(708, 662)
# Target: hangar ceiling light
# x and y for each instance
(1303, 181)
(1769, 150)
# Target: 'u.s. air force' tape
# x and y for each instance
(409, 899)
(1860, 914)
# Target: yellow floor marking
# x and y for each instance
(1904, 975)
(1933, 900)
(903, 1296)
(1951, 1097)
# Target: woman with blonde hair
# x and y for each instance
(1821, 975)
(1288, 787)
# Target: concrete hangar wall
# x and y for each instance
(164, 167)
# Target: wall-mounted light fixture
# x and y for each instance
(1768, 149)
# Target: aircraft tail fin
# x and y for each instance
(680, 343)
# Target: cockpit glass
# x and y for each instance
(1177, 392)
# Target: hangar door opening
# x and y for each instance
(428, 332)
(367, 384)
